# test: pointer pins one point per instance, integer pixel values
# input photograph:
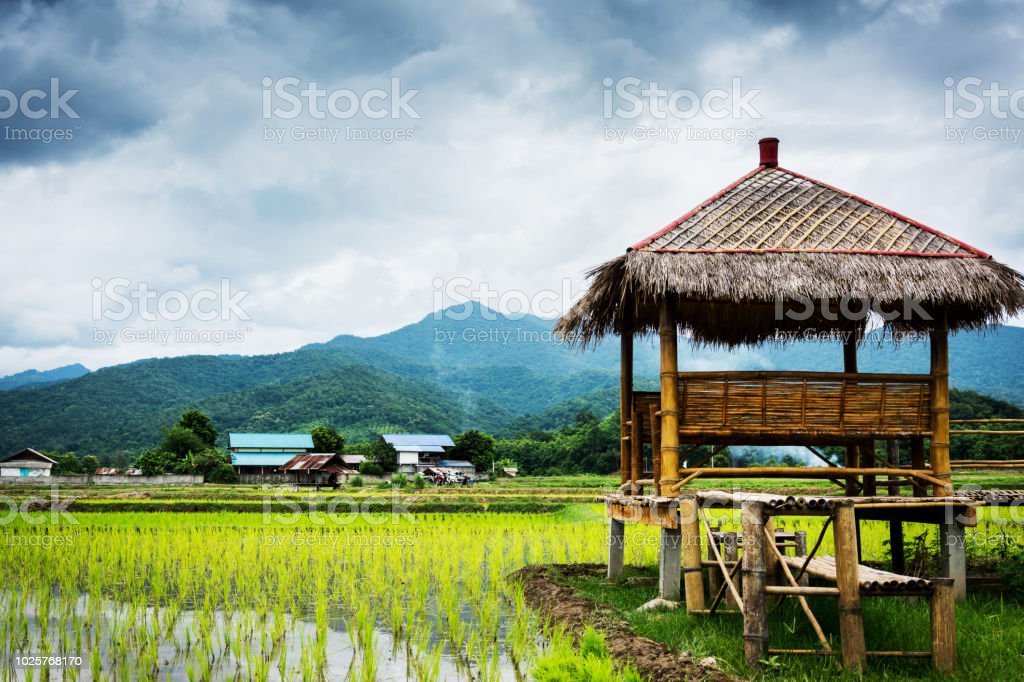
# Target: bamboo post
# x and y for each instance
(616, 547)
(896, 549)
(731, 553)
(940, 406)
(693, 570)
(943, 617)
(851, 620)
(800, 538)
(655, 445)
(917, 462)
(636, 446)
(867, 460)
(771, 564)
(852, 451)
(755, 616)
(625, 398)
(669, 400)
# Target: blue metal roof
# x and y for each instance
(256, 459)
(299, 441)
(454, 463)
(418, 440)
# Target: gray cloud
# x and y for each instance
(509, 179)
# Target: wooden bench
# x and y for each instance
(877, 583)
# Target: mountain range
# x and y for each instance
(465, 367)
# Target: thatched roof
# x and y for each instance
(763, 247)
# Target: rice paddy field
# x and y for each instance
(243, 583)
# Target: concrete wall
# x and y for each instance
(165, 479)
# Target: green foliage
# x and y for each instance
(399, 480)
(209, 460)
(222, 473)
(356, 481)
(370, 469)
(383, 455)
(67, 464)
(90, 464)
(592, 663)
(590, 445)
(180, 441)
(152, 462)
(326, 439)
(199, 424)
(474, 447)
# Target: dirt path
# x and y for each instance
(651, 659)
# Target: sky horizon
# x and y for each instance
(240, 177)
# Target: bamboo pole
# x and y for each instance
(867, 460)
(917, 462)
(656, 445)
(755, 616)
(852, 450)
(669, 399)
(940, 407)
(625, 398)
(943, 617)
(731, 552)
(851, 620)
(693, 570)
(713, 548)
(636, 446)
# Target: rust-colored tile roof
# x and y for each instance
(310, 462)
(774, 209)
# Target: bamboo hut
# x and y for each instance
(772, 257)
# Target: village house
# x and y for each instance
(418, 451)
(266, 453)
(318, 468)
(27, 462)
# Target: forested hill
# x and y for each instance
(465, 368)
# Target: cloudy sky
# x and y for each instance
(166, 147)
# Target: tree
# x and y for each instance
(222, 473)
(90, 464)
(199, 424)
(180, 441)
(152, 462)
(326, 439)
(209, 460)
(474, 447)
(67, 464)
(383, 455)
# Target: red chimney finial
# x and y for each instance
(769, 151)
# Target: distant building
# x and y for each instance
(417, 451)
(266, 453)
(317, 469)
(459, 466)
(509, 472)
(27, 462)
(106, 471)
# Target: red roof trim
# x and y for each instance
(975, 252)
(846, 251)
(671, 226)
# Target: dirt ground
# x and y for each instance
(651, 659)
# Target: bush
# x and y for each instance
(419, 482)
(222, 473)
(399, 480)
(356, 481)
(371, 468)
